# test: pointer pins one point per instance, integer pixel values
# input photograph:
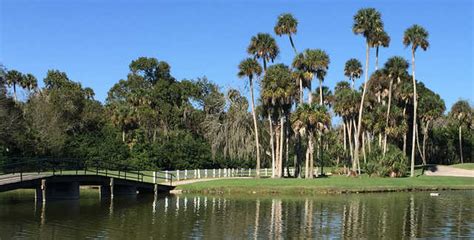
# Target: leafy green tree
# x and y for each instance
(416, 36)
(250, 68)
(431, 107)
(367, 22)
(287, 25)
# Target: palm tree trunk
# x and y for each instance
(377, 58)
(351, 149)
(272, 145)
(14, 92)
(344, 134)
(292, 44)
(311, 156)
(306, 163)
(405, 134)
(320, 92)
(254, 115)
(287, 144)
(388, 115)
(368, 142)
(363, 148)
(359, 123)
(310, 96)
(282, 133)
(301, 91)
(460, 144)
(412, 164)
(425, 139)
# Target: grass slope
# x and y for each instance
(468, 166)
(333, 184)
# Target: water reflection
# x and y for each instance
(395, 215)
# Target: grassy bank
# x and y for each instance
(468, 166)
(333, 184)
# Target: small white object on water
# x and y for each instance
(434, 194)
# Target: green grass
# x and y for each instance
(333, 184)
(468, 166)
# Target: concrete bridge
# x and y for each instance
(64, 183)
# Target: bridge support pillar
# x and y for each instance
(111, 190)
(57, 191)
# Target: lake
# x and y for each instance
(381, 215)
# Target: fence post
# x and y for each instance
(154, 177)
(219, 172)
(213, 172)
(177, 175)
(205, 173)
(185, 174)
(166, 175)
(199, 173)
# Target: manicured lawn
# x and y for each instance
(332, 184)
(468, 166)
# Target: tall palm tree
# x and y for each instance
(278, 90)
(396, 68)
(287, 25)
(250, 68)
(314, 62)
(14, 78)
(416, 36)
(461, 112)
(263, 46)
(353, 70)
(380, 39)
(309, 119)
(367, 22)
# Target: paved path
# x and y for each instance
(189, 181)
(440, 170)
(12, 178)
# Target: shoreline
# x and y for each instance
(327, 186)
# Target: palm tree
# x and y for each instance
(14, 78)
(353, 70)
(380, 39)
(309, 119)
(367, 22)
(287, 25)
(396, 68)
(416, 36)
(277, 91)
(29, 82)
(250, 68)
(263, 46)
(313, 62)
(461, 113)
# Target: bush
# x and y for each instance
(393, 164)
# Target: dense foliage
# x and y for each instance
(152, 120)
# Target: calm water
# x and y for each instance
(388, 215)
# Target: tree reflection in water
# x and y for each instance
(392, 215)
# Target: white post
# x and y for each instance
(225, 172)
(213, 172)
(185, 174)
(250, 171)
(166, 175)
(266, 172)
(199, 173)
(154, 177)
(205, 173)
(177, 175)
(195, 173)
(219, 172)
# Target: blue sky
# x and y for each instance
(93, 41)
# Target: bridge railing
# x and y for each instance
(61, 166)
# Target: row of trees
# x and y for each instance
(150, 119)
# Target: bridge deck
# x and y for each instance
(10, 182)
